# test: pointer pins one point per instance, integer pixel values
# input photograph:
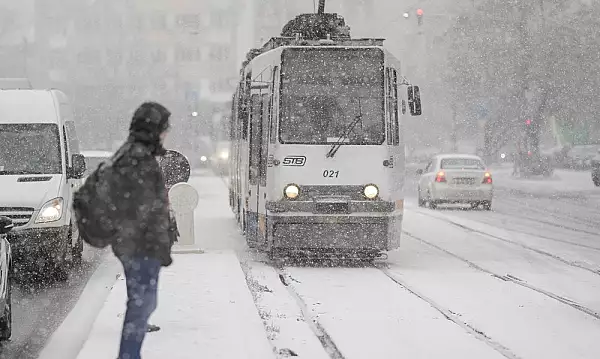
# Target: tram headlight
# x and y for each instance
(291, 191)
(371, 191)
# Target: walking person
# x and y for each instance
(144, 243)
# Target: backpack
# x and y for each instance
(94, 209)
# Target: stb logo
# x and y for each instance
(295, 161)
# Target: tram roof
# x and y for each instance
(276, 42)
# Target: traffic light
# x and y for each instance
(420, 17)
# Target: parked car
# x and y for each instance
(6, 225)
(455, 178)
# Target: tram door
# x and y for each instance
(254, 166)
(262, 166)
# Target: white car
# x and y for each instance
(93, 159)
(455, 178)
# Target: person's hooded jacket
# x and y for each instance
(142, 199)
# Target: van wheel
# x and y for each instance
(58, 266)
(6, 318)
(77, 250)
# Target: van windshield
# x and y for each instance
(29, 149)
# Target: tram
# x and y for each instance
(317, 142)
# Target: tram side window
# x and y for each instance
(394, 114)
(273, 118)
(388, 117)
(245, 105)
(255, 133)
(266, 110)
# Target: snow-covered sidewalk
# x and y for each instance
(205, 310)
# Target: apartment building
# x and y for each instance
(16, 37)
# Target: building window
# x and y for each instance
(219, 53)
(114, 22)
(136, 56)
(140, 22)
(158, 56)
(188, 21)
(114, 57)
(89, 57)
(186, 54)
(158, 21)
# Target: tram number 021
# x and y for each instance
(331, 174)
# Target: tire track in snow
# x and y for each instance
(449, 315)
(312, 320)
(556, 215)
(510, 278)
(515, 243)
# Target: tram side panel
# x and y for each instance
(395, 110)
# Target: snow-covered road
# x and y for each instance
(522, 281)
(510, 283)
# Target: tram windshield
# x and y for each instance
(324, 90)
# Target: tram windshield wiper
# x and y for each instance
(336, 146)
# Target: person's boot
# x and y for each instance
(153, 328)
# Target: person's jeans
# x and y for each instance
(141, 275)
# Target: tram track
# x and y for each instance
(556, 215)
(448, 314)
(328, 343)
(286, 280)
(510, 278)
(553, 256)
(313, 321)
(529, 233)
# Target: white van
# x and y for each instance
(40, 168)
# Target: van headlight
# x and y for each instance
(51, 211)
(371, 191)
(291, 191)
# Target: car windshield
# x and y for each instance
(29, 149)
(461, 163)
(324, 90)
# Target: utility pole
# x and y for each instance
(321, 7)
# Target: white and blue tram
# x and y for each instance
(317, 149)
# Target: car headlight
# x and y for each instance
(291, 191)
(203, 159)
(51, 211)
(224, 155)
(371, 191)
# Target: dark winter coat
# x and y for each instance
(141, 199)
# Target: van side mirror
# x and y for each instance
(6, 225)
(78, 166)
(419, 171)
(414, 100)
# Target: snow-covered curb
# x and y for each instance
(71, 335)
